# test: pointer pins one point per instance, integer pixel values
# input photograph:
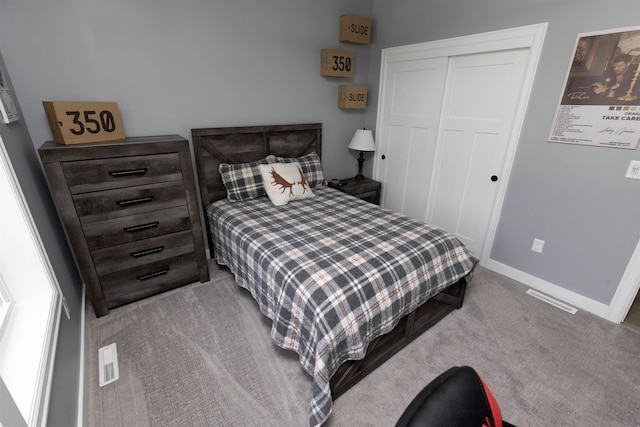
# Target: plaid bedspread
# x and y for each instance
(332, 272)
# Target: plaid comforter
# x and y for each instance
(332, 272)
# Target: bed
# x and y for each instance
(346, 283)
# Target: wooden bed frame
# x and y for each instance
(213, 146)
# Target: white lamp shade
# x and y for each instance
(362, 141)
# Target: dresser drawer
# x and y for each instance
(119, 172)
(130, 255)
(369, 196)
(137, 283)
(118, 231)
(104, 205)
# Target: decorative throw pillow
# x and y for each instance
(243, 180)
(285, 182)
(311, 167)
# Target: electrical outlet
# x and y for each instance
(634, 170)
(537, 245)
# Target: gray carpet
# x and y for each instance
(201, 356)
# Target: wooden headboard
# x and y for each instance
(213, 146)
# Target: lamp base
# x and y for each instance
(360, 163)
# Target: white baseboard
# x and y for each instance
(550, 289)
(80, 422)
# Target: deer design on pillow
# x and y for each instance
(279, 181)
(303, 181)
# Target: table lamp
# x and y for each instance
(362, 141)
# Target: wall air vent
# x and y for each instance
(553, 302)
(108, 364)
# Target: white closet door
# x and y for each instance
(482, 94)
(450, 114)
(409, 126)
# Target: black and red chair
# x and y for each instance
(457, 398)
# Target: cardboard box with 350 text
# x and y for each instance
(336, 63)
(81, 122)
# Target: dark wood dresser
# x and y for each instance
(131, 215)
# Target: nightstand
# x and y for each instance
(365, 189)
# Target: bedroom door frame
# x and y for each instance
(530, 37)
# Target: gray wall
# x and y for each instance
(575, 198)
(171, 66)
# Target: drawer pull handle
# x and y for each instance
(147, 252)
(141, 227)
(152, 275)
(134, 201)
(120, 174)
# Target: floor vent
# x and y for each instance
(108, 364)
(553, 302)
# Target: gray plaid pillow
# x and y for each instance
(243, 180)
(311, 167)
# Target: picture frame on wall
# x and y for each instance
(600, 101)
(7, 106)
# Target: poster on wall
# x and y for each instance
(7, 107)
(600, 103)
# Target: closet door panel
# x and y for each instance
(411, 104)
(481, 98)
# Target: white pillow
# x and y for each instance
(285, 182)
